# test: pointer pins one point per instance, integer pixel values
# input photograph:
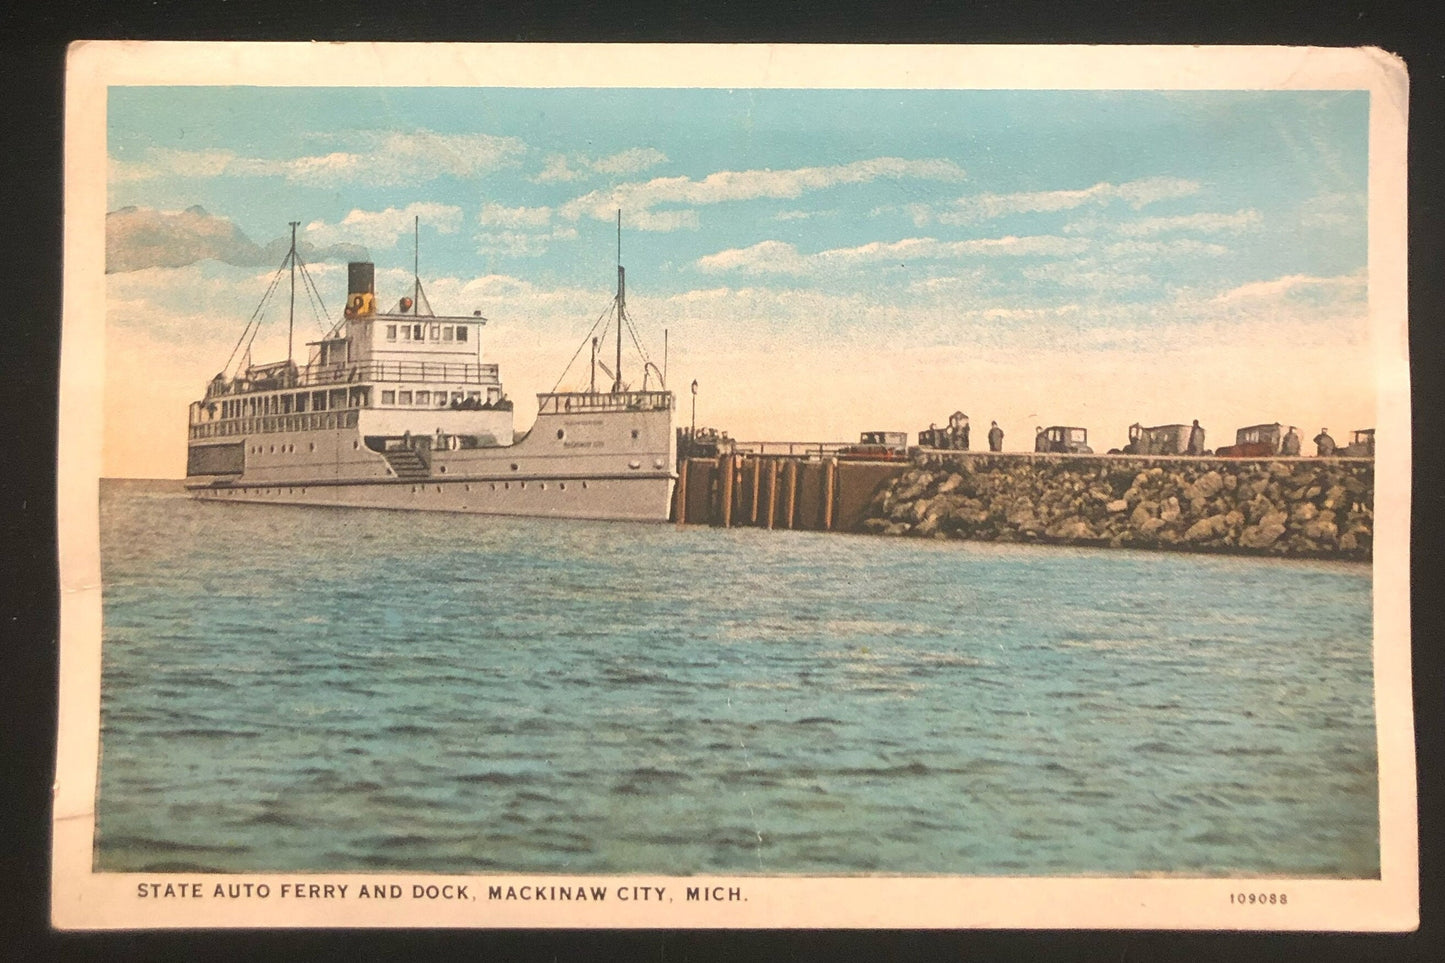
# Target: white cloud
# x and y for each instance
(369, 157)
(498, 215)
(1293, 287)
(1178, 247)
(1204, 222)
(523, 243)
(1137, 194)
(1334, 211)
(780, 257)
(638, 199)
(382, 229)
(571, 167)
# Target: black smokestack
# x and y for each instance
(361, 278)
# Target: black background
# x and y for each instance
(32, 51)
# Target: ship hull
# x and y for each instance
(645, 498)
(586, 464)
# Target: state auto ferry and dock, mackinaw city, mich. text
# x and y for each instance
(396, 409)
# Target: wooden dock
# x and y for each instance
(778, 491)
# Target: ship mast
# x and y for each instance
(621, 304)
(416, 264)
(291, 319)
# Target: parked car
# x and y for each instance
(1362, 445)
(877, 446)
(1159, 440)
(1057, 438)
(1256, 441)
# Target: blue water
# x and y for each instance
(346, 690)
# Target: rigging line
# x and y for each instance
(585, 341)
(311, 285)
(274, 281)
(636, 341)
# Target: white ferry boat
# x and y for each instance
(397, 409)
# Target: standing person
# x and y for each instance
(1324, 444)
(1040, 442)
(963, 433)
(995, 438)
(1196, 439)
(1290, 446)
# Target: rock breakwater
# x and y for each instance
(1298, 508)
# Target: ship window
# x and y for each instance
(403, 398)
(436, 332)
(447, 333)
(406, 332)
(318, 401)
(423, 397)
(391, 332)
(416, 332)
(461, 332)
(441, 399)
(388, 397)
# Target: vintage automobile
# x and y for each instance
(1057, 438)
(702, 443)
(952, 438)
(1159, 440)
(1256, 441)
(1362, 445)
(877, 446)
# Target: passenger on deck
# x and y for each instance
(995, 438)
(1041, 443)
(1290, 446)
(1324, 444)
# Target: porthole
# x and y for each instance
(313, 446)
(439, 489)
(634, 433)
(524, 484)
(494, 486)
(467, 488)
(544, 486)
(514, 466)
(272, 451)
(444, 469)
(506, 485)
(562, 486)
(561, 434)
(354, 446)
(584, 484)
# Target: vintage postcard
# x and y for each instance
(734, 486)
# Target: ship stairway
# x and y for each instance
(406, 464)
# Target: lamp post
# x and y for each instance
(692, 432)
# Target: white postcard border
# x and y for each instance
(84, 899)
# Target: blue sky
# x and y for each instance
(853, 241)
